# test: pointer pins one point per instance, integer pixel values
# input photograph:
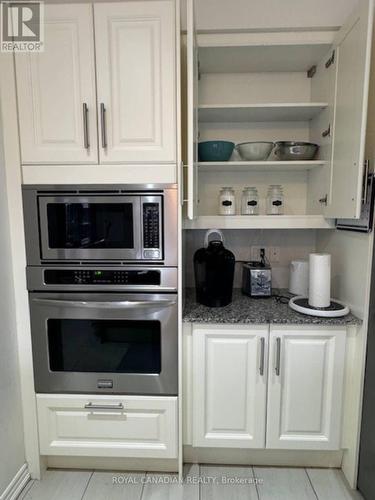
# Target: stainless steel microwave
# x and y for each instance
(116, 224)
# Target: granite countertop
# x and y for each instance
(244, 309)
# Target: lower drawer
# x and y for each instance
(107, 426)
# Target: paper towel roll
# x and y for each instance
(299, 277)
(320, 280)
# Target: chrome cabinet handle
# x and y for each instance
(103, 125)
(278, 356)
(124, 304)
(262, 354)
(94, 406)
(85, 111)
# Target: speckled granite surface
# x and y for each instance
(244, 309)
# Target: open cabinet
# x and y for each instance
(280, 86)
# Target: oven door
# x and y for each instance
(90, 227)
(104, 343)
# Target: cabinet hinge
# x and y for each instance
(311, 72)
(327, 132)
(199, 70)
(331, 60)
(324, 201)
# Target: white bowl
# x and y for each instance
(254, 151)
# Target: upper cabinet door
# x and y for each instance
(136, 77)
(56, 91)
(352, 59)
(192, 114)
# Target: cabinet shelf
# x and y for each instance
(259, 166)
(216, 113)
(260, 222)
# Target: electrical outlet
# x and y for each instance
(256, 251)
(274, 254)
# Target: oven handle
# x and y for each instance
(123, 304)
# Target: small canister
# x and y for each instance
(250, 201)
(227, 201)
(275, 200)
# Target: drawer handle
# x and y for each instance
(93, 406)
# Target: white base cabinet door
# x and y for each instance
(305, 387)
(107, 426)
(56, 91)
(229, 385)
(136, 81)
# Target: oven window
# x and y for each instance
(115, 346)
(90, 225)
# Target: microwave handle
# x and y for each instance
(123, 304)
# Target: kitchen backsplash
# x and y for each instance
(292, 244)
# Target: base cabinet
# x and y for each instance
(277, 387)
(107, 426)
(229, 386)
(305, 386)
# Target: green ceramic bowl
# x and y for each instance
(215, 150)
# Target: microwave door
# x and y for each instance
(90, 227)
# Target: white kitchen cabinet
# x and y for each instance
(280, 87)
(56, 91)
(353, 59)
(229, 387)
(305, 387)
(103, 92)
(136, 79)
(107, 426)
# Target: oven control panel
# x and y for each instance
(101, 277)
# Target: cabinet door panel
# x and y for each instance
(135, 47)
(53, 87)
(192, 114)
(229, 392)
(304, 400)
(352, 59)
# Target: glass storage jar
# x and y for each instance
(275, 200)
(250, 201)
(227, 201)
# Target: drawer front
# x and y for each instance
(108, 426)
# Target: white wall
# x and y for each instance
(12, 454)
(293, 244)
(268, 14)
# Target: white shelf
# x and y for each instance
(260, 222)
(261, 59)
(259, 166)
(260, 112)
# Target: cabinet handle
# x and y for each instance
(85, 111)
(365, 181)
(278, 356)
(93, 406)
(262, 354)
(102, 121)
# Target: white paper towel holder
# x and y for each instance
(335, 310)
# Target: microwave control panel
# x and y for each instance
(151, 230)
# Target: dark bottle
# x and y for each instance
(214, 272)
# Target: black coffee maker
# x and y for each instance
(214, 272)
